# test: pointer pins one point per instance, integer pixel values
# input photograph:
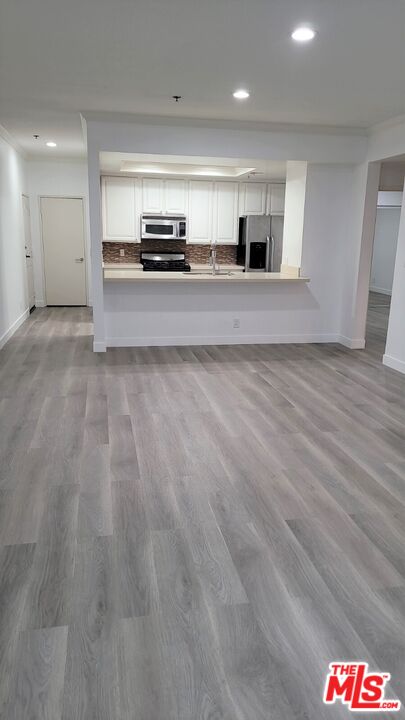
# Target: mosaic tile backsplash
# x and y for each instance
(195, 254)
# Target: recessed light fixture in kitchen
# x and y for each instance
(51, 144)
(303, 34)
(241, 94)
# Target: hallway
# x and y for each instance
(196, 532)
(377, 324)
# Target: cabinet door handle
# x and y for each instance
(79, 260)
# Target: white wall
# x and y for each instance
(395, 350)
(392, 176)
(384, 250)
(180, 136)
(55, 178)
(294, 213)
(13, 287)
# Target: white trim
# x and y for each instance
(352, 343)
(157, 120)
(229, 340)
(386, 124)
(99, 346)
(40, 303)
(381, 291)
(394, 363)
(14, 327)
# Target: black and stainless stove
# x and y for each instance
(164, 262)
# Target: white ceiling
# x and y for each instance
(137, 163)
(58, 58)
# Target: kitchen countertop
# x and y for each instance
(136, 275)
(194, 266)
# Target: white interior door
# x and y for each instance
(64, 250)
(28, 253)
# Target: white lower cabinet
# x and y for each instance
(119, 209)
(225, 206)
(200, 211)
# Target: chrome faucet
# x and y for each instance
(213, 258)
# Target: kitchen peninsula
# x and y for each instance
(163, 237)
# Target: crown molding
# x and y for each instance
(227, 124)
(10, 139)
(387, 124)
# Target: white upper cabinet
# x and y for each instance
(164, 196)
(252, 198)
(276, 200)
(152, 195)
(119, 209)
(200, 211)
(225, 212)
(175, 197)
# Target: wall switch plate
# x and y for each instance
(236, 323)
(122, 252)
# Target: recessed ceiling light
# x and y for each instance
(241, 94)
(51, 144)
(303, 34)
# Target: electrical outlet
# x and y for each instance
(236, 323)
(122, 252)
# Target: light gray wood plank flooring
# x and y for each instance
(195, 533)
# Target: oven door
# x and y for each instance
(156, 228)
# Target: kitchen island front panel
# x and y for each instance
(156, 309)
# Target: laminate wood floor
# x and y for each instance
(196, 532)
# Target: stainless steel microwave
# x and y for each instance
(163, 227)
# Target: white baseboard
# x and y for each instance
(394, 363)
(99, 346)
(352, 343)
(381, 291)
(224, 340)
(40, 303)
(10, 332)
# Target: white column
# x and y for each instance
(96, 248)
(356, 269)
(395, 349)
(296, 179)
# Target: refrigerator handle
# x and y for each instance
(269, 253)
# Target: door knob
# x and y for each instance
(79, 259)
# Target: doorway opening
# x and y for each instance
(386, 232)
(29, 267)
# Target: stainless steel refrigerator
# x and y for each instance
(260, 245)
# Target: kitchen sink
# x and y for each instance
(208, 273)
